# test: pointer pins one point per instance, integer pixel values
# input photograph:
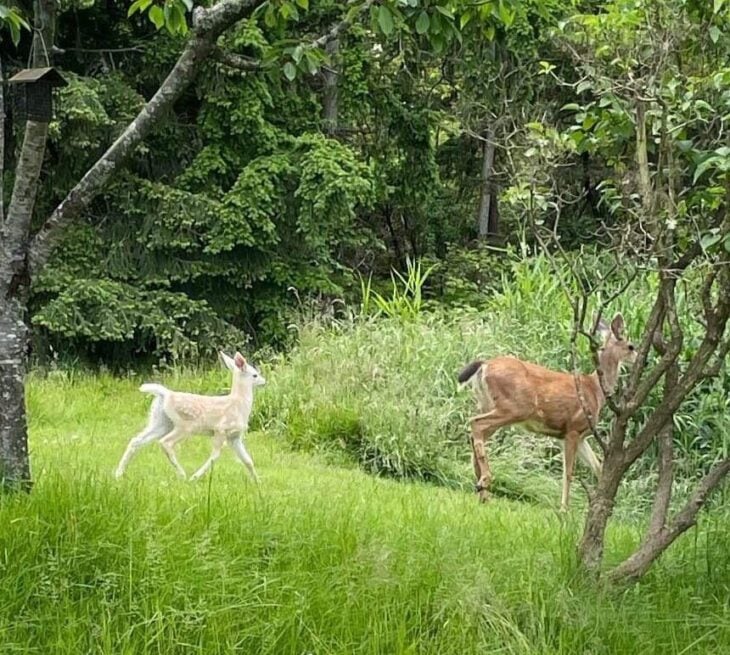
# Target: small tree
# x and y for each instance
(653, 105)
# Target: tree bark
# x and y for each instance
(14, 460)
(2, 145)
(331, 92)
(14, 276)
(600, 509)
(485, 213)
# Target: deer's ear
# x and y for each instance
(617, 326)
(240, 361)
(226, 360)
(602, 329)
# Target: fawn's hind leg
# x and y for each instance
(168, 446)
(158, 426)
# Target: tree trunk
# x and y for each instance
(485, 218)
(14, 461)
(331, 95)
(15, 279)
(2, 145)
(600, 508)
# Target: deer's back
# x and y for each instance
(543, 400)
(206, 413)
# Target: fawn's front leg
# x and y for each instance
(236, 443)
(218, 441)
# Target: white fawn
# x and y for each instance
(510, 391)
(175, 416)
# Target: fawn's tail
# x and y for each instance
(469, 371)
(156, 389)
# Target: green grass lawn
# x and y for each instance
(317, 559)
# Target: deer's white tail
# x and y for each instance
(156, 389)
(469, 371)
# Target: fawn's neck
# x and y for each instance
(241, 388)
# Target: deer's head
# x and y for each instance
(240, 367)
(615, 346)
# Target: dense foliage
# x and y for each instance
(251, 197)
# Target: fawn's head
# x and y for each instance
(615, 346)
(239, 366)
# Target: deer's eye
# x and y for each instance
(631, 347)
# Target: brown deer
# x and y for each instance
(510, 391)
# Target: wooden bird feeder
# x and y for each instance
(33, 93)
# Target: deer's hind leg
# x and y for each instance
(167, 443)
(482, 428)
(157, 427)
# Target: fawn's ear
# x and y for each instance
(226, 360)
(240, 361)
(617, 326)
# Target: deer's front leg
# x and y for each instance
(569, 452)
(236, 443)
(218, 441)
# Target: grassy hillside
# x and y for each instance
(318, 559)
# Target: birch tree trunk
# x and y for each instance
(15, 279)
(486, 211)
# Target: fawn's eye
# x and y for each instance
(631, 347)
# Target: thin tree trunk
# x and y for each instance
(2, 144)
(600, 509)
(14, 276)
(331, 94)
(14, 460)
(486, 195)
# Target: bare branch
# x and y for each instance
(239, 62)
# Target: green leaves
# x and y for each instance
(157, 16)
(712, 239)
(718, 161)
(290, 71)
(385, 20)
(138, 6)
(169, 14)
(13, 21)
(422, 23)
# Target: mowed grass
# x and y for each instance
(317, 559)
